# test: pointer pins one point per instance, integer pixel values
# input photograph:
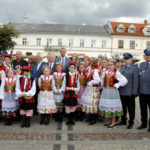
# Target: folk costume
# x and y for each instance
(82, 76)
(91, 95)
(70, 95)
(58, 84)
(9, 100)
(46, 103)
(110, 103)
(26, 85)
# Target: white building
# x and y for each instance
(81, 39)
(130, 37)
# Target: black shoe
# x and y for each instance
(148, 129)
(142, 127)
(121, 123)
(6, 122)
(88, 118)
(10, 122)
(111, 126)
(41, 120)
(93, 119)
(47, 119)
(23, 121)
(27, 122)
(130, 126)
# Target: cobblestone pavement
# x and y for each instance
(58, 136)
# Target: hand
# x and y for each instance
(76, 92)
(57, 93)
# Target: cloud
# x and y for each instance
(93, 12)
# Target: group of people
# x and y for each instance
(92, 89)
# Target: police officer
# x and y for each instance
(144, 71)
(129, 91)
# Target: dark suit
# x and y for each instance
(36, 73)
(53, 67)
(67, 60)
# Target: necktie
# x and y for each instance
(63, 61)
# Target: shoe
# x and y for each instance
(121, 123)
(47, 119)
(111, 126)
(148, 129)
(130, 126)
(6, 122)
(142, 127)
(42, 120)
(23, 121)
(27, 122)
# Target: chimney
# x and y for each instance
(145, 22)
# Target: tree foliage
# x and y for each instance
(7, 33)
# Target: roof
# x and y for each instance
(61, 29)
(138, 32)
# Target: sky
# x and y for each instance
(90, 12)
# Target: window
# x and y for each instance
(38, 41)
(120, 28)
(120, 44)
(81, 43)
(70, 42)
(24, 41)
(104, 44)
(132, 44)
(93, 43)
(132, 30)
(148, 44)
(59, 42)
(148, 31)
(49, 42)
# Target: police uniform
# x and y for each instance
(129, 91)
(144, 90)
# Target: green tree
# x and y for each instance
(7, 33)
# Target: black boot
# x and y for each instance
(41, 119)
(76, 115)
(60, 117)
(88, 118)
(72, 122)
(57, 116)
(93, 120)
(68, 119)
(47, 119)
(6, 121)
(10, 121)
(27, 122)
(23, 121)
(81, 116)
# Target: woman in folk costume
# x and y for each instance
(9, 100)
(7, 62)
(70, 96)
(82, 76)
(91, 95)
(46, 103)
(58, 84)
(110, 104)
(2, 77)
(25, 90)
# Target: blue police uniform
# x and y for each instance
(144, 90)
(129, 91)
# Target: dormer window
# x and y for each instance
(131, 29)
(120, 28)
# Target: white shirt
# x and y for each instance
(51, 65)
(39, 64)
(63, 60)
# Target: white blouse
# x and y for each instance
(62, 88)
(31, 92)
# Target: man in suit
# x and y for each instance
(36, 73)
(51, 62)
(129, 91)
(144, 90)
(64, 60)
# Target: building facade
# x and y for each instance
(81, 39)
